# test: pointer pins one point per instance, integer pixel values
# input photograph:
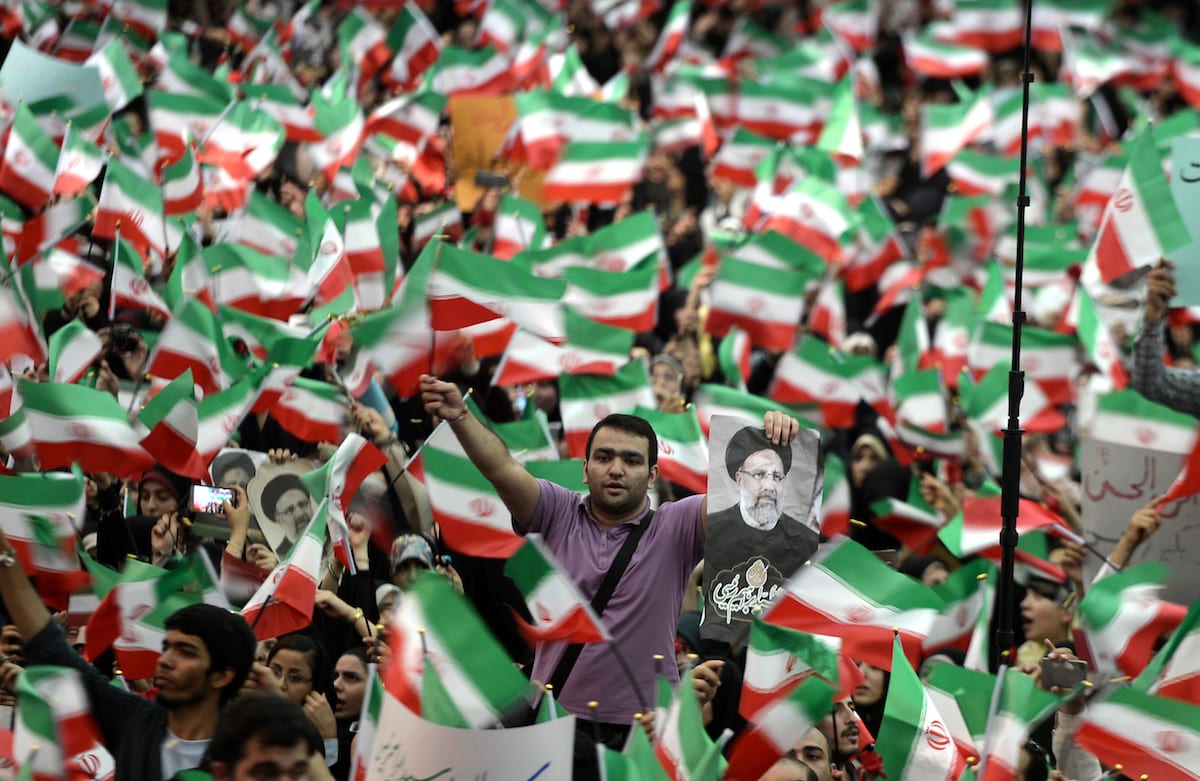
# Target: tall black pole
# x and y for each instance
(1011, 476)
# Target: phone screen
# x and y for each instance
(208, 499)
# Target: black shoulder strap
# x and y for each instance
(561, 672)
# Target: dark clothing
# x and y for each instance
(133, 728)
(586, 765)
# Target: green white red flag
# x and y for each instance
(557, 608)
(20, 332)
(416, 44)
(518, 225)
(1128, 418)
(472, 517)
(812, 213)
(673, 32)
(133, 206)
(913, 739)
(285, 601)
(932, 58)
(622, 299)
(778, 659)
(835, 507)
(73, 349)
(915, 526)
(79, 163)
(842, 135)
(1018, 705)
(219, 415)
(779, 727)
(182, 185)
(597, 172)
(312, 410)
(363, 43)
(740, 156)
(1145, 735)
(192, 339)
(854, 21)
(974, 530)
(1141, 223)
(590, 348)
(38, 514)
(1173, 672)
(170, 428)
(683, 747)
(1122, 616)
(130, 290)
(435, 627)
(948, 128)
(1097, 339)
(682, 447)
(118, 76)
(135, 605)
(15, 433)
(813, 373)
(585, 399)
(549, 122)
(711, 399)
(55, 736)
(27, 172)
(337, 480)
(481, 71)
(76, 424)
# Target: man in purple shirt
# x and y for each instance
(586, 533)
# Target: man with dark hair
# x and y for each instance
(206, 657)
(586, 533)
(263, 736)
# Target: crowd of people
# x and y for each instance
(887, 308)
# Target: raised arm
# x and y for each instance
(518, 489)
(24, 605)
(1168, 385)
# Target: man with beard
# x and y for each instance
(206, 656)
(753, 545)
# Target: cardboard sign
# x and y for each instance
(480, 125)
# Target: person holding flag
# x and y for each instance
(603, 687)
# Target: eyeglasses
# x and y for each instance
(292, 679)
(759, 475)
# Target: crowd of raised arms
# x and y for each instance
(366, 369)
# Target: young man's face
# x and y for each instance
(1043, 617)
(618, 474)
(184, 675)
(261, 762)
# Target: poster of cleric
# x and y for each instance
(763, 503)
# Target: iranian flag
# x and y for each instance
(285, 601)
(846, 592)
(372, 245)
(339, 120)
(711, 399)
(219, 415)
(1018, 705)
(1173, 671)
(38, 514)
(192, 339)
(1145, 735)
(930, 57)
(947, 129)
(363, 43)
(368, 725)
(586, 399)
(73, 349)
(814, 373)
(15, 434)
(812, 213)
(680, 742)
(76, 424)
(529, 440)
(396, 340)
(622, 299)
(137, 602)
(835, 507)
(1097, 339)
(913, 739)
(733, 356)
(54, 734)
(617, 247)
(842, 136)
(410, 119)
(986, 404)
(779, 728)
(416, 44)
(459, 71)
(30, 161)
(740, 156)
(976, 528)
(118, 76)
(855, 21)
(443, 221)
(170, 428)
(466, 288)
(976, 173)
(558, 609)
(79, 163)
(682, 448)
(130, 290)
(765, 300)
(278, 102)
(1141, 223)
(778, 659)
(337, 480)
(783, 109)
(994, 25)
(131, 205)
(1048, 358)
(258, 283)
(547, 122)
(875, 246)
(1128, 418)
(597, 172)
(312, 410)
(915, 526)
(472, 517)
(1185, 71)
(1122, 616)
(182, 185)
(435, 629)
(328, 272)
(175, 118)
(266, 227)
(591, 348)
(518, 225)
(147, 18)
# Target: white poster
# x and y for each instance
(1117, 480)
(407, 747)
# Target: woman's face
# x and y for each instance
(155, 500)
(870, 691)
(294, 672)
(861, 463)
(349, 686)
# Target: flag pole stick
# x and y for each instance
(1011, 475)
